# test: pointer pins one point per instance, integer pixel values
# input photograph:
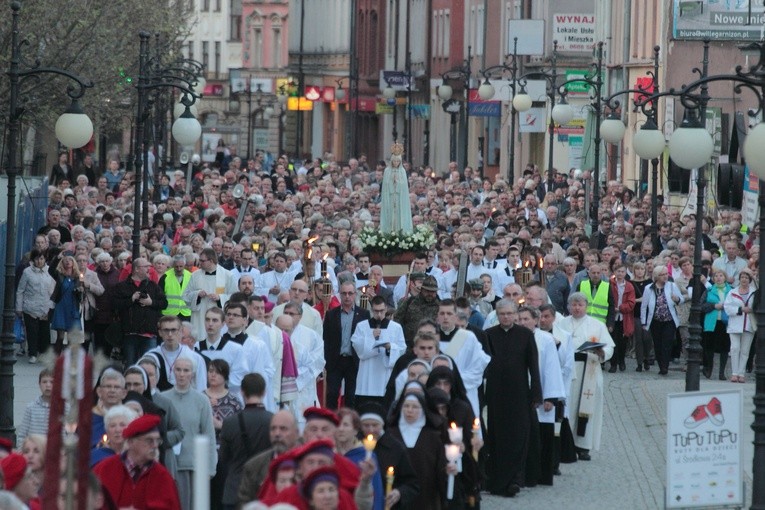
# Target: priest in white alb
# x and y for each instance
(586, 399)
(209, 286)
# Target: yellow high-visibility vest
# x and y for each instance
(597, 307)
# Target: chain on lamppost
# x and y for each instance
(486, 93)
(183, 75)
(445, 92)
(73, 129)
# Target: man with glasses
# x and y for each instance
(218, 346)
(256, 351)
(139, 302)
(169, 350)
(310, 318)
(209, 286)
(378, 342)
(134, 478)
(342, 363)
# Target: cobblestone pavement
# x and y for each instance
(627, 473)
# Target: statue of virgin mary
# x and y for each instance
(395, 209)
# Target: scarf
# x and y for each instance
(289, 389)
(410, 432)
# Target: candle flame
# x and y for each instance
(325, 256)
(390, 471)
(526, 264)
(104, 439)
(370, 437)
(453, 426)
(310, 251)
(312, 240)
(364, 289)
(541, 263)
(476, 424)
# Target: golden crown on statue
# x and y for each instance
(397, 149)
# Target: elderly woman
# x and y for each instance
(33, 302)
(739, 305)
(33, 450)
(659, 315)
(92, 288)
(105, 314)
(196, 418)
(715, 337)
(115, 420)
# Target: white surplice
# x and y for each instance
(375, 366)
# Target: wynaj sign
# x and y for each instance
(704, 449)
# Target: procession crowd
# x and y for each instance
(320, 382)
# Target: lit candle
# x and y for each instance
(324, 273)
(455, 433)
(82, 277)
(201, 473)
(389, 476)
(369, 445)
(104, 440)
(476, 434)
(452, 454)
(364, 299)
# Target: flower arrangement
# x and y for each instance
(422, 238)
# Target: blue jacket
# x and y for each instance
(710, 316)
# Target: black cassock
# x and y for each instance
(512, 386)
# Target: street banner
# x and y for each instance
(704, 449)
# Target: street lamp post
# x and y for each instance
(649, 143)
(281, 98)
(692, 147)
(445, 92)
(183, 75)
(562, 113)
(486, 92)
(73, 129)
(523, 102)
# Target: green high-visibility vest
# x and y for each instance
(597, 307)
(174, 293)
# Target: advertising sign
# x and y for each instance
(750, 209)
(575, 33)
(718, 20)
(533, 121)
(704, 449)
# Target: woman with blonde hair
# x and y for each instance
(739, 305)
(33, 449)
(715, 337)
(67, 296)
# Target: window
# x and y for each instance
(373, 54)
(191, 50)
(217, 58)
(205, 5)
(257, 47)
(206, 54)
(276, 48)
(235, 20)
(259, 120)
(217, 5)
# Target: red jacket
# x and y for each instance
(350, 475)
(628, 305)
(154, 490)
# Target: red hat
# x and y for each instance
(142, 425)
(284, 461)
(322, 474)
(318, 413)
(5, 444)
(321, 446)
(14, 468)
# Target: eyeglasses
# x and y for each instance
(203, 260)
(229, 314)
(347, 293)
